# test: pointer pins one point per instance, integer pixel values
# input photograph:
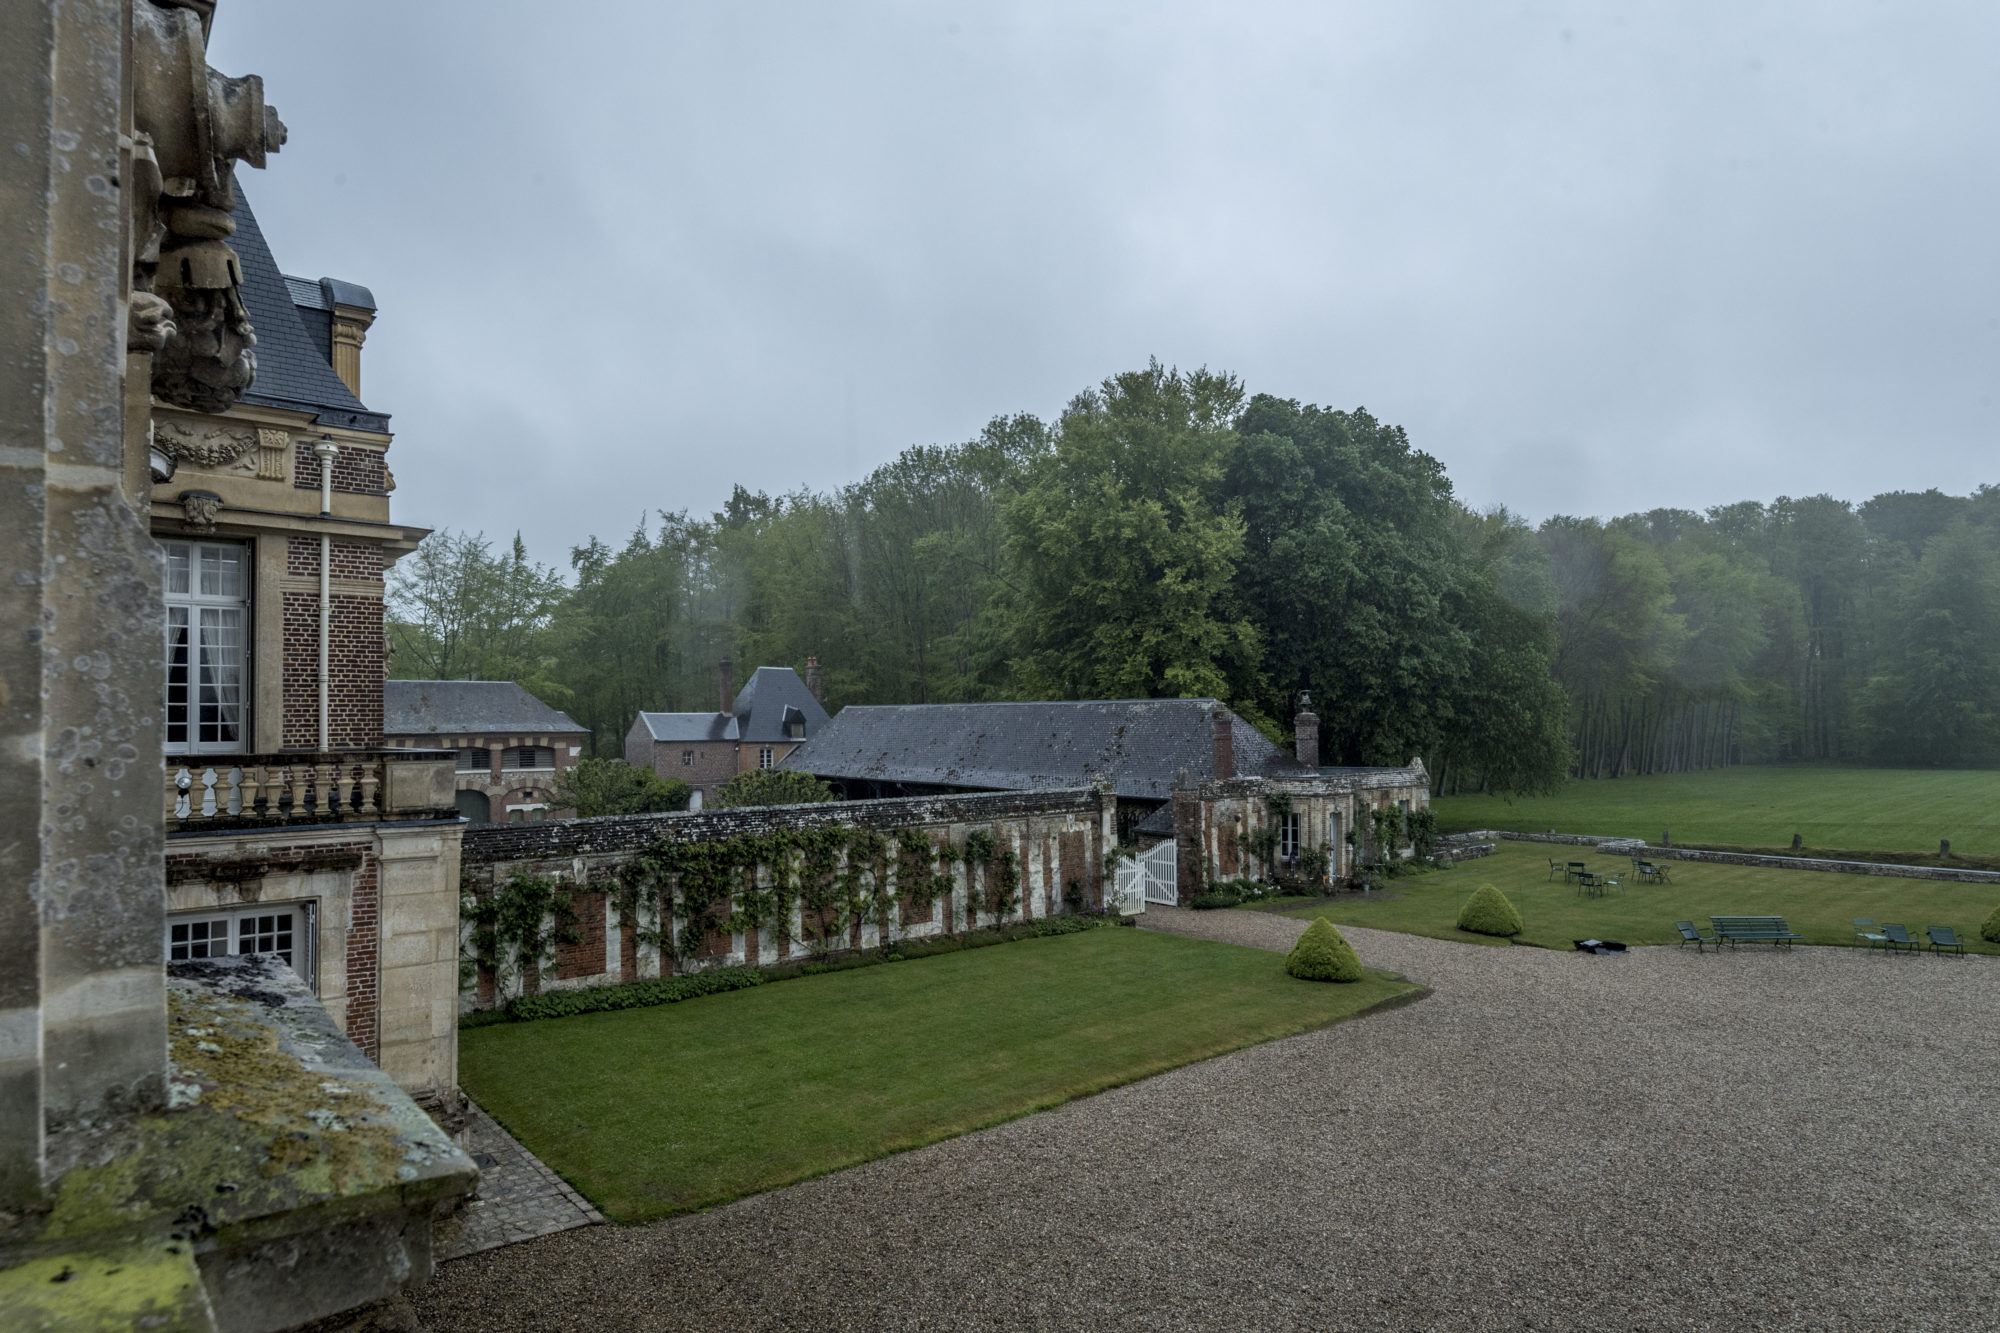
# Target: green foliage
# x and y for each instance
(1989, 930)
(614, 787)
(1121, 556)
(1234, 893)
(516, 928)
(1487, 912)
(771, 786)
(1323, 954)
(1422, 830)
(456, 611)
(631, 994)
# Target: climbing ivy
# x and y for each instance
(517, 928)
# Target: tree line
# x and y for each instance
(1170, 534)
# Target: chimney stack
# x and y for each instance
(814, 686)
(1225, 744)
(1305, 733)
(728, 688)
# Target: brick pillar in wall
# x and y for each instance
(364, 961)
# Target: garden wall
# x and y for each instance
(590, 902)
(1654, 853)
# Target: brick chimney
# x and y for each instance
(1305, 732)
(728, 688)
(1225, 744)
(814, 686)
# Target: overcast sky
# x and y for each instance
(1596, 258)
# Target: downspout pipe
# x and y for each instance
(327, 451)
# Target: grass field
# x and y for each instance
(1888, 810)
(658, 1111)
(1817, 905)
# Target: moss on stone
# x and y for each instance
(1323, 954)
(1487, 912)
(155, 1287)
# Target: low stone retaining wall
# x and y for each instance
(1652, 853)
(777, 883)
(1466, 846)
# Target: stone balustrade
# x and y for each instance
(303, 787)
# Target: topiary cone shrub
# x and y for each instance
(1323, 954)
(1487, 912)
(1991, 930)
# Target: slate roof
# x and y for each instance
(771, 697)
(294, 369)
(1141, 744)
(466, 707)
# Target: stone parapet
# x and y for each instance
(1946, 874)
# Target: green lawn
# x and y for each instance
(1817, 905)
(657, 1111)
(1889, 810)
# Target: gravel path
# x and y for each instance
(1550, 1141)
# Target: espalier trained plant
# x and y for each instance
(1323, 954)
(1487, 912)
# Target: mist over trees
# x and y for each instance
(1171, 534)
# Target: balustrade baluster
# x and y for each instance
(295, 778)
(229, 796)
(371, 778)
(177, 789)
(346, 803)
(253, 778)
(322, 789)
(206, 802)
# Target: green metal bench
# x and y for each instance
(1739, 930)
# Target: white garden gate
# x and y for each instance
(1149, 877)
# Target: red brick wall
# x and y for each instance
(357, 470)
(358, 658)
(1075, 856)
(586, 957)
(363, 957)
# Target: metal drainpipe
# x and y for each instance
(327, 451)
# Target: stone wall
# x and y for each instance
(1216, 822)
(1057, 837)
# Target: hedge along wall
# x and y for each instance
(589, 902)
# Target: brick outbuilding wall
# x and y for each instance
(358, 653)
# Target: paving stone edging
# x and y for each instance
(1751, 858)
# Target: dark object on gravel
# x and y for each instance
(1605, 947)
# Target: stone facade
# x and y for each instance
(165, 1143)
(1215, 822)
(1059, 838)
(511, 747)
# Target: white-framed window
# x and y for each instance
(1333, 844)
(1288, 837)
(284, 929)
(208, 627)
(765, 759)
(687, 758)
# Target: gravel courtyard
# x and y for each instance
(1550, 1141)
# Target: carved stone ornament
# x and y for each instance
(211, 447)
(274, 447)
(200, 509)
(193, 126)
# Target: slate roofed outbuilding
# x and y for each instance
(467, 708)
(294, 370)
(771, 699)
(1140, 744)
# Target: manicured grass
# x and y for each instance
(1890, 810)
(1817, 905)
(657, 1111)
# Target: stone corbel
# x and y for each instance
(200, 508)
(274, 450)
(194, 124)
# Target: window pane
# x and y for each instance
(177, 567)
(177, 676)
(220, 696)
(265, 932)
(197, 939)
(221, 571)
